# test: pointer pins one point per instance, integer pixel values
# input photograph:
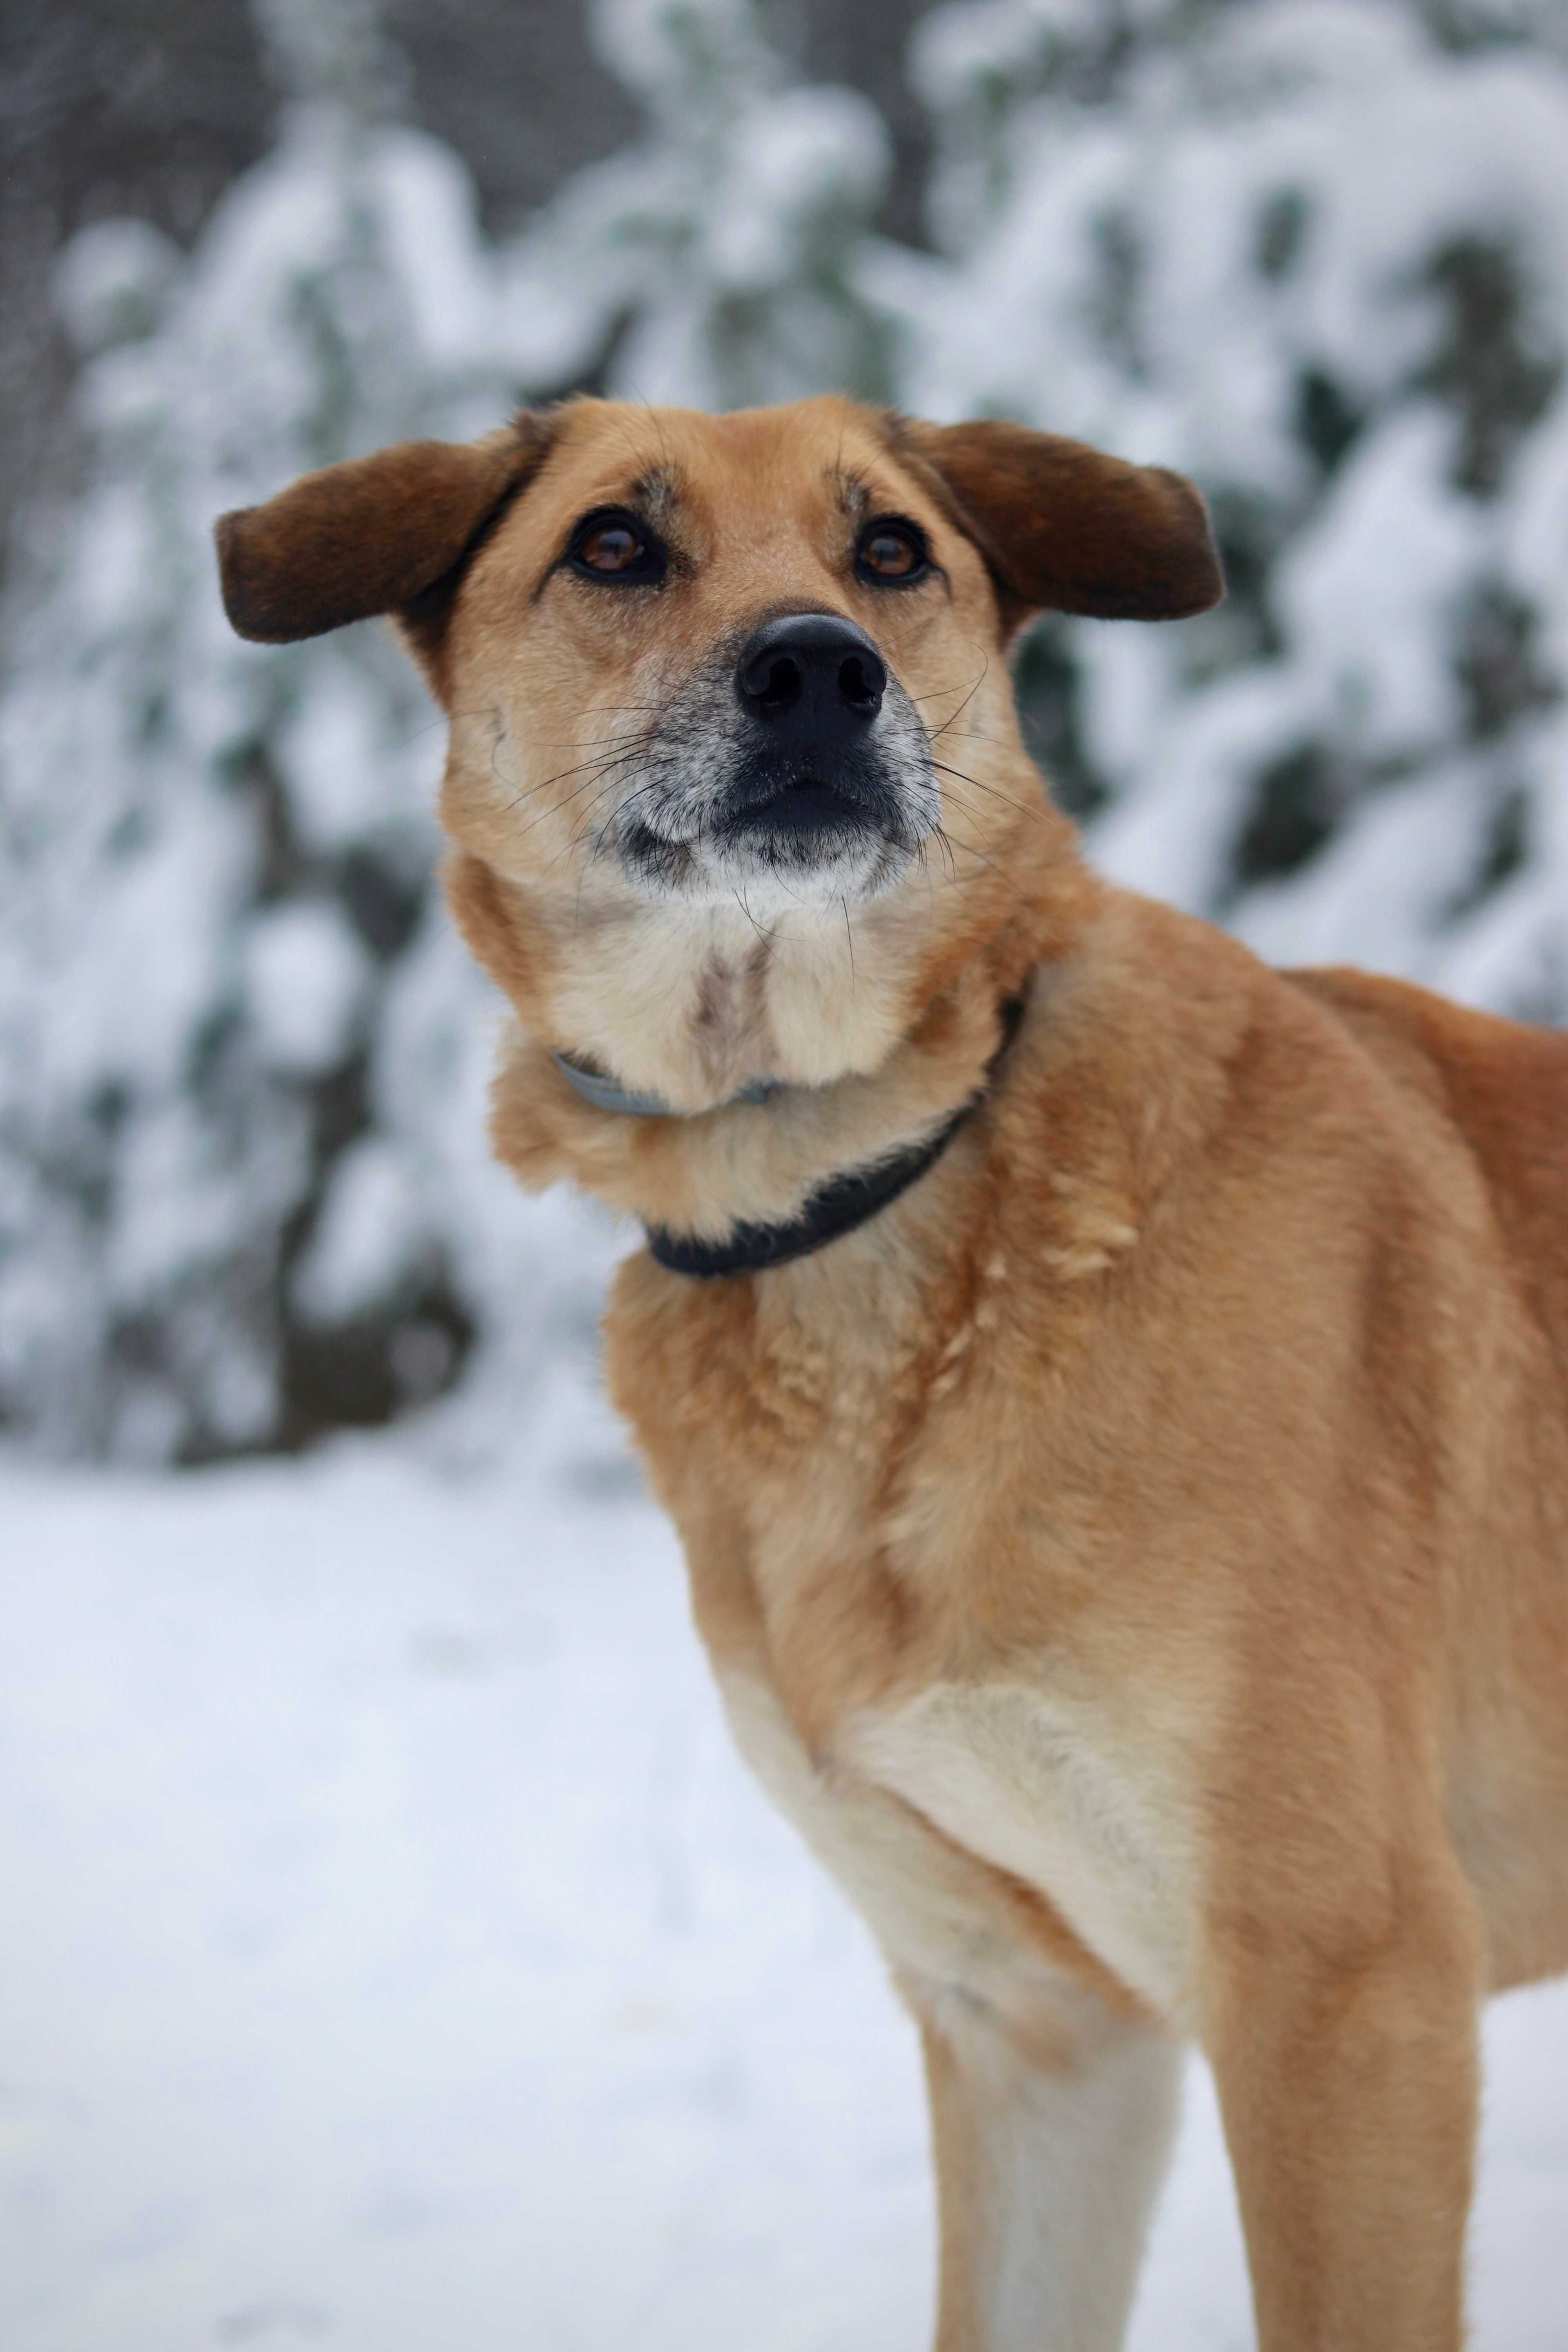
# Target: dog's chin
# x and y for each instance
(806, 845)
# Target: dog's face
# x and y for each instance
(749, 629)
(753, 662)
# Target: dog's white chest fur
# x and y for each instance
(1031, 1784)
(1043, 1788)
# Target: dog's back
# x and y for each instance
(1505, 1087)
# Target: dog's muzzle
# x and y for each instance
(801, 759)
(810, 686)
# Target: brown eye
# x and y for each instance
(611, 548)
(615, 547)
(892, 551)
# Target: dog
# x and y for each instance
(1113, 1395)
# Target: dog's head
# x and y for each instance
(710, 658)
(735, 770)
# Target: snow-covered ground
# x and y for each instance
(397, 1958)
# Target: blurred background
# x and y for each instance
(268, 1730)
(1316, 255)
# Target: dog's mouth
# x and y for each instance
(816, 830)
(850, 832)
(799, 809)
(804, 809)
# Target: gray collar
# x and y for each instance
(605, 1094)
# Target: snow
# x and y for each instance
(402, 1958)
(1174, 246)
(714, 257)
(1366, 588)
(265, 979)
(306, 978)
(370, 1234)
(112, 280)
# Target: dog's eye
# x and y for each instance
(892, 551)
(611, 548)
(614, 547)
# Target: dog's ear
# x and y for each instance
(1064, 529)
(390, 533)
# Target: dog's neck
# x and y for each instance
(693, 1005)
(877, 1027)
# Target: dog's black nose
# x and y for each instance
(812, 676)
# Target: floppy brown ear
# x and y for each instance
(382, 534)
(1064, 529)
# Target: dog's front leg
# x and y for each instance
(1347, 2075)
(1051, 2140)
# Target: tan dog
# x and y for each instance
(1112, 1394)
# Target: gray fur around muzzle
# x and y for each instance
(796, 757)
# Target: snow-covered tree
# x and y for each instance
(223, 1220)
(244, 1191)
(1314, 251)
(717, 263)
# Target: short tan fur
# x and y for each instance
(1137, 1558)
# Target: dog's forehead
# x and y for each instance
(783, 465)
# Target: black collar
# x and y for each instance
(835, 1207)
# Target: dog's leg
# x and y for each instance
(1049, 2145)
(1347, 2082)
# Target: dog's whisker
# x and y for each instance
(969, 697)
(1037, 809)
(739, 897)
(968, 849)
(590, 770)
(587, 827)
(588, 742)
(969, 733)
(543, 783)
